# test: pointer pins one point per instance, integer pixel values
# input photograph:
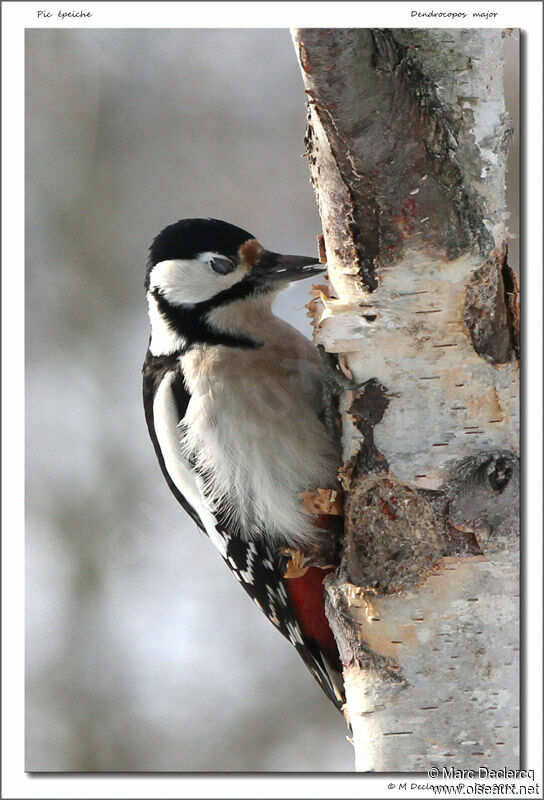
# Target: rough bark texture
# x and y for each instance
(407, 141)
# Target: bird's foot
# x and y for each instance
(335, 382)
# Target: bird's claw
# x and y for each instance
(335, 380)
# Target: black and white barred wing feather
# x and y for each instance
(258, 567)
(260, 570)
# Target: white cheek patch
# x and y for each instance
(190, 281)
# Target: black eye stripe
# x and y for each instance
(222, 265)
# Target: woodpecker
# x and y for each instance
(233, 400)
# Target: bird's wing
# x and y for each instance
(157, 370)
(259, 568)
(165, 403)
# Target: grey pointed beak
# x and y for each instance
(274, 267)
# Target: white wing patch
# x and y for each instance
(294, 633)
(247, 573)
(182, 474)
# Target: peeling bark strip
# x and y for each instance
(353, 650)
(407, 140)
(488, 313)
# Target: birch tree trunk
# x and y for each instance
(407, 143)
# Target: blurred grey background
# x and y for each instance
(143, 653)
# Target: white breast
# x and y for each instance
(252, 428)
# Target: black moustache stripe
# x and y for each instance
(191, 322)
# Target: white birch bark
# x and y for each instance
(407, 145)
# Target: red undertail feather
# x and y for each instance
(306, 595)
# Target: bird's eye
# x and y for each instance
(222, 265)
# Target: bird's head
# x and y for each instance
(200, 275)
(201, 260)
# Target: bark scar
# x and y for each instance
(353, 650)
(364, 242)
(491, 313)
